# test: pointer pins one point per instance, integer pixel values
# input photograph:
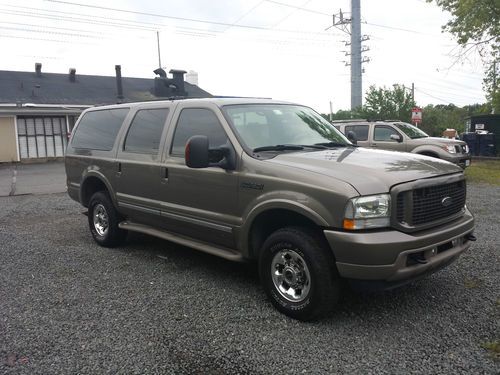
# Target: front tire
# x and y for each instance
(103, 221)
(298, 273)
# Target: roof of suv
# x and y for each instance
(347, 121)
(219, 101)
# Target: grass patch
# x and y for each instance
(472, 283)
(493, 347)
(484, 171)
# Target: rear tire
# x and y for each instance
(103, 221)
(298, 273)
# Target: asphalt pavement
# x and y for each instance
(68, 306)
(37, 178)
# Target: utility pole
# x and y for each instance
(352, 27)
(494, 87)
(413, 92)
(356, 80)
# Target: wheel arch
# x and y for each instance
(92, 183)
(427, 151)
(266, 220)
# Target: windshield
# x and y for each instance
(410, 130)
(263, 125)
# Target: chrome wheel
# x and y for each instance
(101, 220)
(290, 275)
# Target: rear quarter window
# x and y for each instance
(97, 130)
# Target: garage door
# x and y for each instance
(41, 137)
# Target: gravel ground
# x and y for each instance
(69, 306)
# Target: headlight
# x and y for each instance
(367, 212)
(466, 149)
(451, 149)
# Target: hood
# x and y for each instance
(434, 140)
(368, 171)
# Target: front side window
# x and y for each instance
(97, 130)
(144, 134)
(411, 131)
(197, 121)
(361, 131)
(261, 125)
(383, 133)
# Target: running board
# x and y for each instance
(201, 246)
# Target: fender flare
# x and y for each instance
(93, 173)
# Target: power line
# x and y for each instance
(398, 28)
(289, 14)
(158, 15)
(433, 96)
(254, 27)
(43, 39)
(294, 7)
(73, 19)
(246, 13)
(139, 23)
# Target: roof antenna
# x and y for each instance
(158, 42)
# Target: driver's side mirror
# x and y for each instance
(396, 137)
(351, 136)
(197, 154)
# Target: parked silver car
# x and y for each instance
(401, 136)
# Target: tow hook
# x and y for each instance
(470, 237)
(418, 258)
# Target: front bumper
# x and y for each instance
(395, 257)
(462, 160)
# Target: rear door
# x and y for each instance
(140, 173)
(361, 132)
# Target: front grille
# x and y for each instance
(429, 204)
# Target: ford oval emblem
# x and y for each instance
(446, 201)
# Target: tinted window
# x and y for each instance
(97, 130)
(383, 133)
(197, 122)
(144, 134)
(361, 131)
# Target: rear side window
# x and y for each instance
(97, 130)
(144, 134)
(197, 121)
(361, 131)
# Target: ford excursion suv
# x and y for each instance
(401, 136)
(256, 179)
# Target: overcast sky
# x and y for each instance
(246, 48)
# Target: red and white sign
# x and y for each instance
(416, 115)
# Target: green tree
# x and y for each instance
(476, 27)
(437, 118)
(342, 114)
(385, 103)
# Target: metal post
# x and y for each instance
(356, 84)
(413, 92)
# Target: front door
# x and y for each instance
(381, 138)
(200, 203)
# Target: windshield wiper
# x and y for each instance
(333, 144)
(278, 148)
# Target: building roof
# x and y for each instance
(55, 88)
